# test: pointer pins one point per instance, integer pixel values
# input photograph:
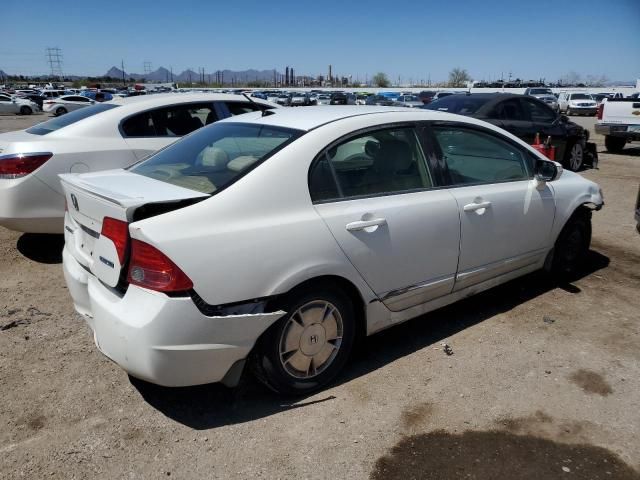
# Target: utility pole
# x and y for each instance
(171, 71)
(54, 58)
(124, 83)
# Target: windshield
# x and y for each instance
(461, 104)
(580, 96)
(540, 91)
(216, 156)
(69, 118)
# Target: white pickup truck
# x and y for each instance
(619, 122)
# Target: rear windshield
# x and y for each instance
(67, 119)
(540, 91)
(213, 157)
(460, 104)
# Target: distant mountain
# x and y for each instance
(162, 74)
(3, 74)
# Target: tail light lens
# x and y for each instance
(600, 110)
(118, 232)
(152, 269)
(21, 164)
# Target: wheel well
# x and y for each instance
(343, 285)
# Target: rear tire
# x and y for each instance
(307, 348)
(572, 244)
(574, 157)
(25, 110)
(60, 111)
(614, 144)
(568, 112)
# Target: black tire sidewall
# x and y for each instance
(614, 144)
(580, 223)
(60, 111)
(25, 110)
(271, 371)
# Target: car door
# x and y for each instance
(6, 104)
(514, 119)
(546, 122)
(376, 195)
(149, 131)
(505, 221)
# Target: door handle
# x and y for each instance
(362, 224)
(471, 207)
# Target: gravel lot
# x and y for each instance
(544, 382)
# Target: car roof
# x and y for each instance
(160, 99)
(313, 117)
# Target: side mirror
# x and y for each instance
(547, 171)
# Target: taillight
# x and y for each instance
(21, 164)
(600, 110)
(152, 269)
(118, 232)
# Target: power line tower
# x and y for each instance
(147, 68)
(54, 58)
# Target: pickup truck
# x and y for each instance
(619, 122)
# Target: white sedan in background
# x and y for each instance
(101, 136)
(67, 103)
(279, 239)
(17, 105)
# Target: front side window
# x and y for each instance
(374, 163)
(174, 121)
(474, 157)
(215, 157)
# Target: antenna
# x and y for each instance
(54, 58)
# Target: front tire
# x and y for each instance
(306, 349)
(25, 110)
(614, 144)
(568, 112)
(574, 158)
(572, 244)
(60, 111)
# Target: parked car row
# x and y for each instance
(98, 137)
(528, 118)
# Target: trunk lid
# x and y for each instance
(9, 142)
(115, 194)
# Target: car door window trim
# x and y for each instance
(152, 109)
(528, 157)
(413, 125)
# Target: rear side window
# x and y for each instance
(238, 108)
(375, 163)
(69, 118)
(213, 158)
(510, 110)
(539, 112)
(174, 121)
(474, 157)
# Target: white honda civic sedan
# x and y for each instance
(97, 137)
(276, 239)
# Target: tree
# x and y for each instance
(458, 77)
(380, 79)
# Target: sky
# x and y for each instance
(412, 40)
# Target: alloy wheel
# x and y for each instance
(575, 157)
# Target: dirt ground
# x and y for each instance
(544, 382)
